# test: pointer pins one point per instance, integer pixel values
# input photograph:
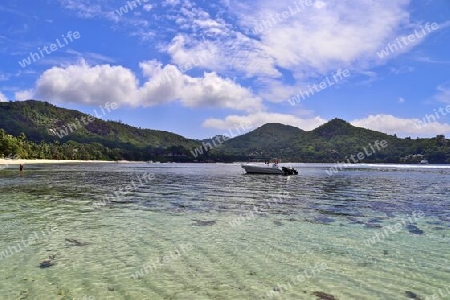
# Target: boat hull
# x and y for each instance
(274, 170)
(262, 170)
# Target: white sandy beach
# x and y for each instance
(16, 162)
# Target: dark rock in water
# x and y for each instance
(354, 220)
(389, 214)
(411, 295)
(76, 243)
(324, 296)
(369, 225)
(278, 223)
(414, 229)
(204, 223)
(365, 264)
(323, 219)
(435, 222)
(46, 264)
(375, 220)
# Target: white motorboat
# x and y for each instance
(268, 169)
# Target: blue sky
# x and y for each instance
(198, 68)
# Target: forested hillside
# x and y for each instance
(34, 129)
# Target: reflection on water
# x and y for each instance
(250, 235)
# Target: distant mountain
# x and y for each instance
(42, 121)
(37, 129)
(268, 140)
(336, 140)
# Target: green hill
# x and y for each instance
(44, 122)
(34, 129)
(334, 141)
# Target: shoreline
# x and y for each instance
(17, 162)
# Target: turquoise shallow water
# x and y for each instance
(196, 231)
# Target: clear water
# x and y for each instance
(207, 231)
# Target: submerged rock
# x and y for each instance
(414, 229)
(204, 223)
(46, 264)
(411, 295)
(323, 219)
(354, 220)
(371, 225)
(324, 296)
(278, 223)
(76, 243)
(375, 220)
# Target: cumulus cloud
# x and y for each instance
(24, 95)
(384, 123)
(91, 85)
(326, 35)
(94, 85)
(312, 42)
(402, 127)
(3, 97)
(261, 118)
(168, 83)
(252, 39)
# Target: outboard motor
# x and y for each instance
(289, 171)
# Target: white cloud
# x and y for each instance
(401, 100)
(3, 97)
(84, 8)
(171, 2)
(402, 127)
(4, 77)
(168, 83)
(444, 93)
(94, 85)
(148, 7)
(84, 84)
(384, 123)
(91, 57)
(135, 23)
(24, 95)
(322, 38)
(401, 70)
(261, 118)
(202, 54)
(212, 90)
(427, 59)
(228, 56)
(309, 44)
